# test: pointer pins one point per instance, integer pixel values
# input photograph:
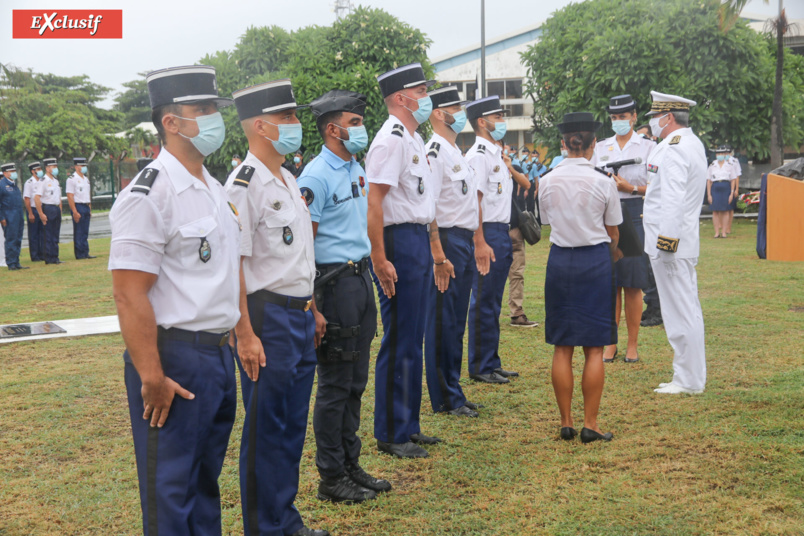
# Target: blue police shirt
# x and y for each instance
(10, 199)
(337, 196)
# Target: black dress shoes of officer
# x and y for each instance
(402, 450)
(57, 262)
(342, 489)
(18, 267)
(306, 531)
(362, 478)
(506, 373)
(463, 411)
(489, 378)
(422, 439)
(587, 436)
(568, 433)
(91, 256)
(472, 405)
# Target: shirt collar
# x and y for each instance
(261, 169)
(334, 161)
(491, 146)
(178, 174)
(574, 162)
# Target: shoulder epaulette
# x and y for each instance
(675, 141)
(600, 170)
(434, 148)
(244, 176)
(145, 180)
(481, 149)
(398, 130)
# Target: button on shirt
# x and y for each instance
(162, 233)
(716, 172)
(29, 188)
(49, 191)
(577, 202)
(401, 162)
(340, 207)
(608, 151)
(79, 187)
(455, 185)
(493, 180)
(272, 213)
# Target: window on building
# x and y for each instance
(471, 89)
(496, 87)
(513, 89)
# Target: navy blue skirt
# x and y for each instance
(632, 272)
(579, 297)
(720, 196)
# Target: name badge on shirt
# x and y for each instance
(464, 188)
(421, 186)
(652, 168)
(415, 159)
(205, 250)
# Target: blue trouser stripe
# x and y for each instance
(52, 231)
(81, 231)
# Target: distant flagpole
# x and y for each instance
(482, 88)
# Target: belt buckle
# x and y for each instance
(307, 306)
(224, 339)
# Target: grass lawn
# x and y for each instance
(730, 461)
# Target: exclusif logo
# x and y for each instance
(68, 24)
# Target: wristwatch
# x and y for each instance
(635, 191)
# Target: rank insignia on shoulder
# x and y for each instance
(434, 148)
(667, 244)
(145, 180)
(653, 168)
(481, 149)
(415, 159)
(675, 140)
(499, 187)
(308, 195)
(398, 130)
(244, 176)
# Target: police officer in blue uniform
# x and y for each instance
(400, 207)
(36, 232)
(335, 187)
(12, 216)
(48, 204)
(175, 265)
(80, 200)
(277, 331)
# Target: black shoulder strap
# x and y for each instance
(398, 130)
(244, 176)
(144, 181)
(434, 148)
(481, 149)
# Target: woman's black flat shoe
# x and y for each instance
(587, 436)
(568, 433)
(616, 351)
(631, 360)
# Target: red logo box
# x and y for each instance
(68, 24)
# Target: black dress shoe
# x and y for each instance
(421, 439)
(587, 436)
(568, 433)
(55, 262)
(12, 268)
(489, 378)
(506, 373)
(463, 411)
(402, 450)
(472, 405)
(364, 479)
(91, 257)
(306, 531)
(342, 489)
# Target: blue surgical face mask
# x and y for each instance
(234, 163)
(425, 109)
(499, 130)
(40, 173)
(55, 172)
(621, 126)
(14, 175)
(84, 170)
(358, 139)
(296, 160)
(290, 137)
(211, 132)
(721, 157)
(459, 123)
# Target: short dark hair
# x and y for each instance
(473, 122)
(682, 117)
(640, 127)
(578, 141)
(325, 119)
(158, 113)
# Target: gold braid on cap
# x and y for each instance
(670, 107)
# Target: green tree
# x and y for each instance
(133, 103)
(591, 51)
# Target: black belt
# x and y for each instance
(460, 231)
(280, 299)
(206, 338)
(359, 268)
(496, 225)
(415, 226)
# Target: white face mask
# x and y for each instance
(655, 129)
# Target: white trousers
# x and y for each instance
(683, 321)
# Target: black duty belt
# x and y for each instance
(206, 338)
(285, 301)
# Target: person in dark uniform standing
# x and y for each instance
(455, 185)
(80, 201)
(277, 332)
(174, 264)
(36, 232)
(400, 207)
(12, 216)
(48, 204)
(335, 188)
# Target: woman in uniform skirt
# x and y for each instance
(719, 189)
(583, 209)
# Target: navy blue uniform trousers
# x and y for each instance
(81, 231)
(36, 237)
(446, 322)
(486, 303)
(336, 417)
(276, 405)
(52, 231)
(15, 225)
(398, 374)
(178, 465)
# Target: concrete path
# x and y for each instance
(78, 327)
(98, 228)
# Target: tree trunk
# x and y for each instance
(777, 141)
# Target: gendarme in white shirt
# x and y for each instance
(577, 202)
(162, 233)
(493, 180)
(29, 189)
(455, 184)
(49, 191)
(79, 187)
(608, 151)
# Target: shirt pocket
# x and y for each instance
(199, 241)
(282, 237)
(458, 173)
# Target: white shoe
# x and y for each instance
(675, 389)
(665, 384)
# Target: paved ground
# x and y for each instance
(98, 228)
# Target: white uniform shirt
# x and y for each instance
(162, 232)
(577, 202)
(455, 184)
(676, 186)
(30, 187)
(493, 180)
(79, 187)
(50, 191)
(398, 159)
(608, 151)
(716, 172)
(268, 209)
(736, 167)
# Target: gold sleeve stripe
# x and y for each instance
(667, 244)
